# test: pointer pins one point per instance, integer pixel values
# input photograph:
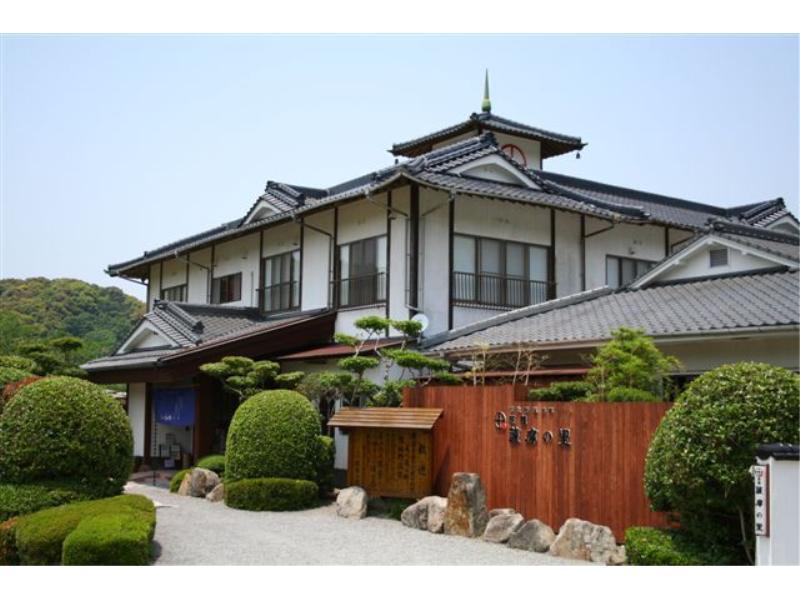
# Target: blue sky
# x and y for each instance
(115, 145)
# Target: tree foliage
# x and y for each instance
(698, 462)
(40, 310)
(245, 377)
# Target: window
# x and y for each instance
(176, 293)
(226, 289)
(621, 271)
(282, 282)
(718, 257)
(362, 272)
(498, 273)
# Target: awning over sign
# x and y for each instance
(174, 406)
(386, 418)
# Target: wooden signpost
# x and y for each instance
(390, 450)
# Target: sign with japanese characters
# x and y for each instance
(530, 425)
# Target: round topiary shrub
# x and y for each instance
(698, 462)
(213, 462)
(271, 493)
(65, 429)
(273, 434)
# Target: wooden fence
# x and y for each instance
(587, 460)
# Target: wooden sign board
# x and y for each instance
(391, 462)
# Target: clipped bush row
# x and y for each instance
(670, 547)
(561, 391)
(16, 500)
(271, 493)
(213, 462)
(326, 453)
(115, 530)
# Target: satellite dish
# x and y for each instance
(421, 318)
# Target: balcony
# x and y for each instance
(364, 290)
(497, 291)
(281, 297)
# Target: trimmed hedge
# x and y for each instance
(271, 493)
(18, 362)
(561, 391)
(326, 453)
(213, 462)
(669, 547)
(109, 539)
(65, 428)
(177, 479)
(16, 500)
(273, 434)
(629, 394)
(40, 537)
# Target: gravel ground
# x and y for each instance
(193, 531)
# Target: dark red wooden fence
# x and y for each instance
(597, 477)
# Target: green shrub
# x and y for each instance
(561, 391)
(40, 536)
(8, 543)
(18, 362)
(669, 547)
(22, 499)
(628, 394)
(177, 479)
(273, 434)
(698, 462)
(271, 493)
(10, 375)
(109, 539)
(213, 462)
(60, 428)
(326, 454)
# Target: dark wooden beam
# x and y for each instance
(148, 419)
(450, 260)
(583, 253)
(551, 258)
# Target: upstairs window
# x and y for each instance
(282, 282)
(176, 293)
(620, 271)
(362, 271)
(718, 257)
(498, 273)
(226, 289)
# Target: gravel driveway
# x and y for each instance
(193, 531)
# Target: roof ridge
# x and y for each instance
(753, 231)
(637, 211)
(714, 277)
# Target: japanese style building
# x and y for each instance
(470, 228)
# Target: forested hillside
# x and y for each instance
(40, 309)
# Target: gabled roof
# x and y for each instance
(552, 143)
(734, 303)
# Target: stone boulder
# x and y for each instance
(533, 536)
(501, 511)
(502, 526)
(351, 503)
(583, 540)
(427, 514)
(618, 557)
(198, 482)
(466, 506)
(217, 494)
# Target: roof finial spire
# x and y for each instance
(486, 105)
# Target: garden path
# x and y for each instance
(193, 531)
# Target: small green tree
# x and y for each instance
(244, 377)
(66, 345)
(630, 368)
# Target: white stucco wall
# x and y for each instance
(398, 278)
(567, 253)
(240, 256)
(707, 353)
(433, 258)
(502, 220)
(136, 415)
(199, 286)
(317, 257)
(174, 273)
(698, 264)
(361, 219)
(642, 242)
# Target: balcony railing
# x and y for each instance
(359, 291)
(497, 290)
(281, 296)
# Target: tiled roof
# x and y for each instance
(193, 325)
(552, 143)
(435, 169)
(674, 308)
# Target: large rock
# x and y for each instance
(351, 503)
(618, 557)
(217, 494)
(501, 511)
(427, 513)
(584, 541)
(533, 536)
(502, 526)
(466, 506)
(198, 482)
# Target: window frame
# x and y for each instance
(380, 292)
(294, 278)
(503, 276)
(727, 254)
(183, 295)
(619, 260)
(237, 294)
